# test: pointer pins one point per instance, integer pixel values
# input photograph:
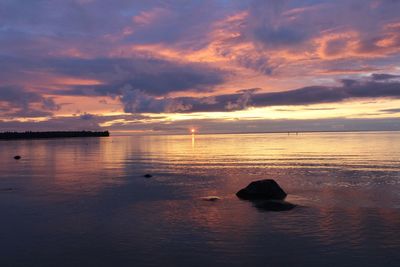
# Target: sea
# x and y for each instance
(86, 202)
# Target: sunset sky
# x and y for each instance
(213, 65)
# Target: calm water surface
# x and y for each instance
(85, 202)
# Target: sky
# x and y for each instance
(213, 65)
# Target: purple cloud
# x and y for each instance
(137, 102)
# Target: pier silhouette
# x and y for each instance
(51, 134)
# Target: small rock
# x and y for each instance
(148, 175)
(211, 198)
(17, 157)
(262, 189)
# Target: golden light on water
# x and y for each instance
(193, 131)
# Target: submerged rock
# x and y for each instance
(147, 175)
(262, 189)
(17, 157)
(274, 205)
(211, 198)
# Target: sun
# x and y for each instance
(193, 130)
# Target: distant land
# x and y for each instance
(52, 134)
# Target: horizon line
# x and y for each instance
(259, 132)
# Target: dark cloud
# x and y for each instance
(27, 113)
(166, 79)
(325, 94)
(260, 64)
(183, 24)
(268, 24)
(87, 116)
(141, 102)
(383, 76)
(69, 17)
(390, 110)
(47, 26)
(48, 103)
(18, 97)
(294, 25)
(281, 36)
(152, 75)
(23, 103)
(335, 47)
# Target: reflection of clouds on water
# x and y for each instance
(67, 166)
(95, 188)
(234, 227)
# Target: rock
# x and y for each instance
(274, 205)
(266, 195)
(262, 189)
(148, 175)
(17, 157)
(211, 198)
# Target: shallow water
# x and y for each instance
(85, 202)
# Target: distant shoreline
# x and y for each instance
(50, 134)
(117, 133)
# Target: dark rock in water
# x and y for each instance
(211, 198)
(274, 205)
(263, 189)
(17, 157)
(148, 175)
(266, 195)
